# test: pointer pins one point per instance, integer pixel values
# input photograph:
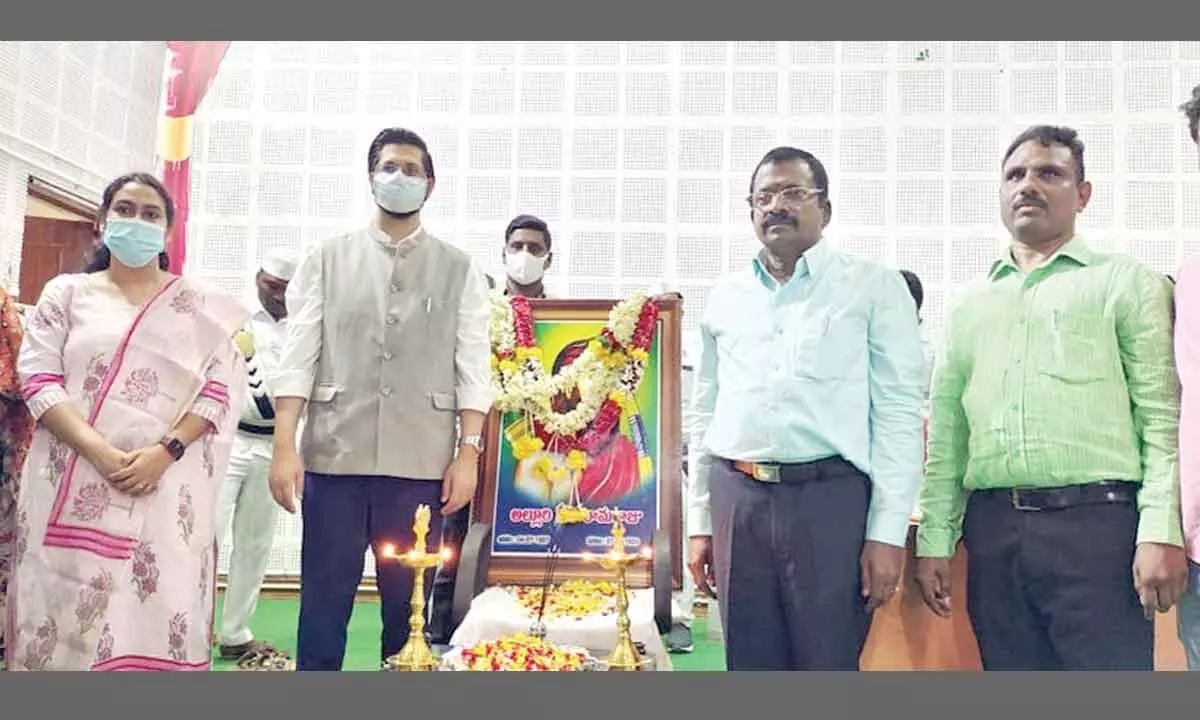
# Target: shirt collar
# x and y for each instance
(404, 245)
(1076, 250)
(262, 315)
(506, 293)
(811, 264)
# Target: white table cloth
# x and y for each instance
(496, 613)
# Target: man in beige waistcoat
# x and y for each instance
(387, 349)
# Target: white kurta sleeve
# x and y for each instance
(302, 345)
(473, 352)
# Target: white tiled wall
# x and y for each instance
(76, 114)
(639, 154)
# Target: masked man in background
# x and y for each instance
(526, 256)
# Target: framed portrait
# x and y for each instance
(635, 471)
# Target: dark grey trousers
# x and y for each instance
(786, 559)
(1053, 589)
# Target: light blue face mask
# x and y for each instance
(134, 243)
(399, 193)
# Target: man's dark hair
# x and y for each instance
(915, 287)
(528, 222)
(1048, 136)
(1191, 110)
(398, 136)
(787, 154)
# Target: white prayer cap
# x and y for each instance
(280, 264)
(662, 287)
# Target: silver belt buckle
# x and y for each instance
(766, 473)
(1016, 502)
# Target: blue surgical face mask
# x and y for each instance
(134, 243)
(398, 193)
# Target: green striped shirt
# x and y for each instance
(1061, 376)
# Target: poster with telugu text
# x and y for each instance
(621, 474)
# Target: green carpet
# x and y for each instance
(275, 622)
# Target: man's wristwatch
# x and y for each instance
(475, 441)
(175, 447)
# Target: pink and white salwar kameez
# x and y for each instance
(104, 580)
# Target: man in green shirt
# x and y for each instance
(1053, 437)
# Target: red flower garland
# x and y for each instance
(523, 321)
(609, 414)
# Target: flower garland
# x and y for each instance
(607, 375)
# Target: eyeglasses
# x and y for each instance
(791, 196)
(408, 169)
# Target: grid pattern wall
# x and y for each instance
(639, 154)
(76, 114)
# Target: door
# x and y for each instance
(51, 247)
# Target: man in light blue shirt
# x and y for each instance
(807, 444)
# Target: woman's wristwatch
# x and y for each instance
(175, 447)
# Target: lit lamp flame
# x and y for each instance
(619, 558)
(416, 653)
(389, 551)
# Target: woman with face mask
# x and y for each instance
(129, 373)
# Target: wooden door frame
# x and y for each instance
(83, 210)
(62, 198)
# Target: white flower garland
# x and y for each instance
(523, 385)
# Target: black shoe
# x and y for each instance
(679, 640)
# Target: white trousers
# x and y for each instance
(246, 501)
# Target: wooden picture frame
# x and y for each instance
(530, 567)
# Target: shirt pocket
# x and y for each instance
(325, 393)
(1076, 348)
(444, 400)
(323, 418)
(823, 347)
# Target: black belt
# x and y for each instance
(1037, 500)
(256, 429)
(794, 473)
